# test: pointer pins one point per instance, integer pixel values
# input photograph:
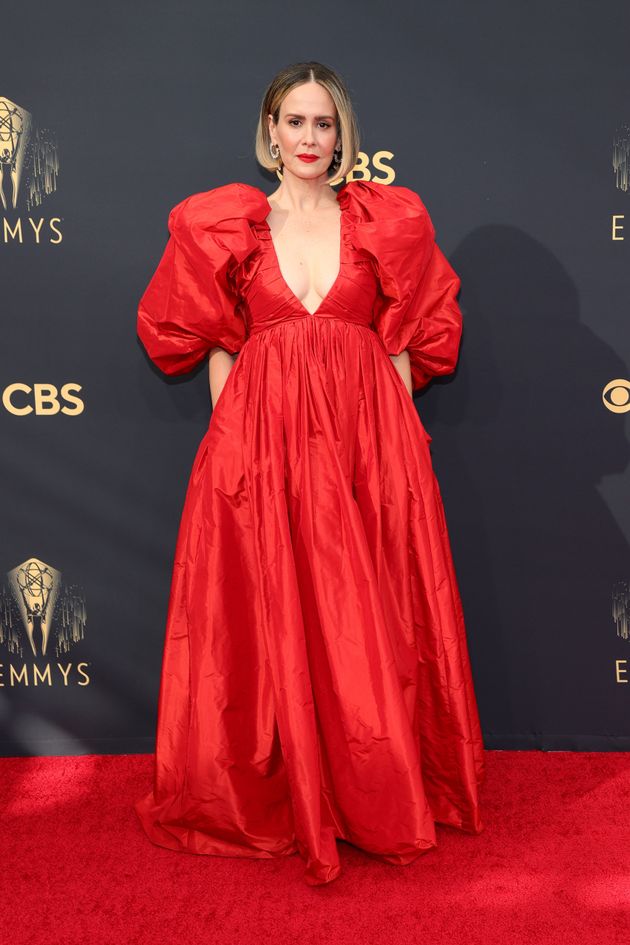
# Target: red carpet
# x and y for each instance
(552, 866)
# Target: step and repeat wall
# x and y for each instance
(512, 122)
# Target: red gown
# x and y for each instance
(316, 679)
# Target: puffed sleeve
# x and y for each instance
(417, 309)
(190, 305)
(430, 326)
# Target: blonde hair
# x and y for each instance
(347, 125)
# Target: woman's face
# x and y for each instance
(307, 124)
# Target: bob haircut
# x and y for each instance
(347, 125)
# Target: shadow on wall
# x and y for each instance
(521, 441)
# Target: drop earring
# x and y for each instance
(274, 150)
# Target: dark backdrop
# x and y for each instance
(506, 118)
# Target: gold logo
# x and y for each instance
(621, 158)
(621, 617)
(41, 616)
(621, 609)
(44, 400)
(616, 395)
(621, 167)
(28, 158)
(29, 167)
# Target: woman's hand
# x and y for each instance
(220, 363)
(403, 365)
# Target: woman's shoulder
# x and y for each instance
(384, 197)
(390, 206)
(391, 223)
(209, 208)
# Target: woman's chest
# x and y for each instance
(262, 289)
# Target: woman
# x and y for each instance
(316, 682)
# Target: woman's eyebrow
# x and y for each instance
(318, 117)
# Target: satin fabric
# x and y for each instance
(316, 681)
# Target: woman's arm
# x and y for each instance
(402, 364)
(220, 364)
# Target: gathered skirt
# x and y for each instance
(316, 681)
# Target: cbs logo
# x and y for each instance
(44, 400)
(616, 395)
(363, 171)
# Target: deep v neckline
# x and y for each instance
(276, 260)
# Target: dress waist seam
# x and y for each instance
(257, 329)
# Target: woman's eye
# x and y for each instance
(324, 124)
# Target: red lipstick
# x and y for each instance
(308, 157)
